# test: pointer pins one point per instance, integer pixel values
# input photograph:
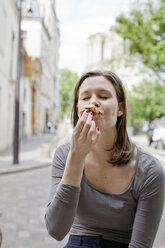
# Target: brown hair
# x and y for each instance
(123, 148)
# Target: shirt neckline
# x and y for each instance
(115, 194)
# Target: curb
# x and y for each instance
(19, 168)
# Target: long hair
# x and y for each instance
(122, 149)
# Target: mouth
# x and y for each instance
(100, 112)
(91, 108)
(98, 116)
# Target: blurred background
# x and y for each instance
(45, 46)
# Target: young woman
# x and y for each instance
(106, 192)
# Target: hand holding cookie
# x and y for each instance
(85, 134)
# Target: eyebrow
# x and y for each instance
(100, 90)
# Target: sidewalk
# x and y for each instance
(34, 153)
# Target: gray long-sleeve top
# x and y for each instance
(131, 217)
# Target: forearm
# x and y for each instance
(73, 170)
(61, 211)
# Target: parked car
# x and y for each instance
(158, 137)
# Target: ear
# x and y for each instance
(120, 109)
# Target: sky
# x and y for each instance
(78, 19)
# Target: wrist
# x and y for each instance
(73, 171)
(77, 156)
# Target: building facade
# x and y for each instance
(110, 52)
(8, 69)
(39, 83)
(41, 43)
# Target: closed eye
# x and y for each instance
(103, 97)
(86, 98)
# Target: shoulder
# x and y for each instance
(61, 153)
(146, 163)
(63, 149)
(149, 171)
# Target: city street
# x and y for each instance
(23, 199)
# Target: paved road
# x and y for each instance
(23, 198)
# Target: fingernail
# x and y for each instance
(98, 128)
(92, 120)
(87, 111)
(91, 113)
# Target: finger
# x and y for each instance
(97, 136)
(92, 130)
(81, 122)
(87, 125)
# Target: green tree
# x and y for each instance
(144, 27)
(68, 80)
(146, 102)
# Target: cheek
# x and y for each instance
(111, 108)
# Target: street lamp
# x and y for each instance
(17, 91)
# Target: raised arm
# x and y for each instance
(67, 174)
(149, 208)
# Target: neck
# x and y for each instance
(105, 142)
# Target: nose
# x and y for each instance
(95, 101)
(96, 104)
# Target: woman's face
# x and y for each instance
(99, 91)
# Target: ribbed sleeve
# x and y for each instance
(63, 199)
(149, 207)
